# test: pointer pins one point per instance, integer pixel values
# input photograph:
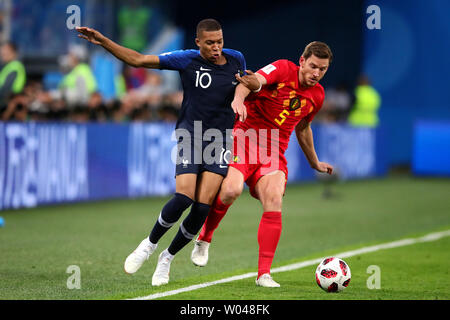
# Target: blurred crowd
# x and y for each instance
(142, 94)
(358, 105)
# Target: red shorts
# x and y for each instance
(255, 160)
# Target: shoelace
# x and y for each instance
(162, 266)
(201, 248)
(144, 253)
(268, 277)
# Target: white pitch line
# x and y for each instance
(395, 244)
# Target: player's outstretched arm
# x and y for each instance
(129, 56)
(305, 140)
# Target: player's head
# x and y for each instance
(8, 52)
(314, 63)
(210, 40)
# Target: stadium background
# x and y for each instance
(106, 161)
(58, 158)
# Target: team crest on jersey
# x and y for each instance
(294, 104)
(236, 159)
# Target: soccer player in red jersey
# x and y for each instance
(285, 97)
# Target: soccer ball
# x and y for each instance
(333, 274)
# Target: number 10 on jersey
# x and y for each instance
(200, 79)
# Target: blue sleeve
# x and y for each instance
(237, 55)
(176, 60)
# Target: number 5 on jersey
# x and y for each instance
(200, 79)
(282, 116)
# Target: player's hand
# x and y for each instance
(90, 34)
(324, 167)
(239, 108)
(249, 80)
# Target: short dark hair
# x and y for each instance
(208, 25)
(319, 49)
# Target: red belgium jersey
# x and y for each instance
(281, 103)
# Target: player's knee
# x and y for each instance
(229, 192)
(272, 201)
(185, 184)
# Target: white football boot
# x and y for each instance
(161, 274)
(265, 280)
(199, 255)
(137, 258)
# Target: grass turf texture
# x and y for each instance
(414, 272)
(37, 245)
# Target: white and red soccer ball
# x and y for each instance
(333, 274)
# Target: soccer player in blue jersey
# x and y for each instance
(208, 79)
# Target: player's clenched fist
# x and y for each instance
(249, 80)
(324, 167)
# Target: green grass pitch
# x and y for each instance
(38, 245)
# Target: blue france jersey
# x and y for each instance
(208, 87)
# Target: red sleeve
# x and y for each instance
(319, 97)
(274, 72)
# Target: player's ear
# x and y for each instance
(301, 61)
(197, 42)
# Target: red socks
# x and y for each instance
(215, 215)
(269, 232)
(268, 235)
